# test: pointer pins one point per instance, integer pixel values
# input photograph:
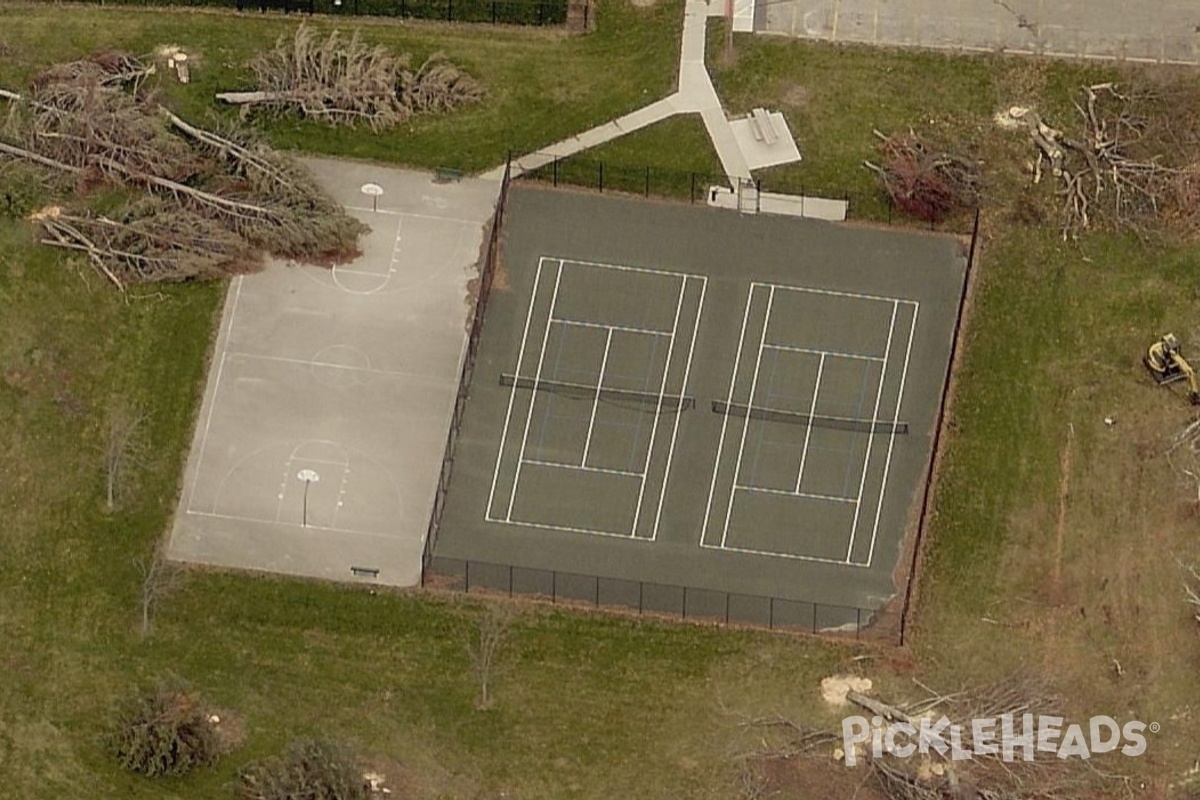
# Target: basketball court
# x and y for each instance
(321, 433)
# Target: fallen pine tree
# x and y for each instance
(199, 203)
(342, 81)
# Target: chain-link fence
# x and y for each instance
(695, 187)
(645, 598)
(496, 12)
(487, 274)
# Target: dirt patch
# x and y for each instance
(794, 95)
(815, 776)
(835, 687)
(643, 3)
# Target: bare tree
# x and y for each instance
(490, 635)
(122, 451)
(159, 578)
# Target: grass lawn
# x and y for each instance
(1077, 579)
(542, 85)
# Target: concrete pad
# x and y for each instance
(760, 154)
(322, 429)
(726, 145)
(788, 205)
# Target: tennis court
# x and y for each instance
(669, 396)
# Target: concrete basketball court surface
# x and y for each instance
(698, 307)
(321, 433)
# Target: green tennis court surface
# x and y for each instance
(670, 396)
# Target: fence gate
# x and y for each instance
(747, 196)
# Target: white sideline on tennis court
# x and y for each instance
(550, 320)
(763, 345)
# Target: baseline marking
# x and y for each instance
(582, 468)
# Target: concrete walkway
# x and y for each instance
(695, 95)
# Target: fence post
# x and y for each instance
(450, 11)
(814, 627)
(684, 603)
(757, 196)
(510, 580)
(467, 576)
(601, 168)
(553, 586)
(857, 622)
(597, 591)
(771, 613)
(555, 160)
(493, 12)
(727, 608)
(641, 588)
(647, 180)
(404, 8)
(692, 196)
(540, 10)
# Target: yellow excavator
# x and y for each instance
(1167, 365)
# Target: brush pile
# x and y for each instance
(178, 202)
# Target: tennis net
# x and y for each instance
(813, 420)
(582, 391)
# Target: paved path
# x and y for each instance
(1166, 31)
(695, 95)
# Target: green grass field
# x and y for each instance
(593, 706)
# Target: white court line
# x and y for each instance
(512, 395)
(675, 428)
(810, 351)
(737, 470)
(587, 444)
(537, 377)
(810, 495)
(737, 360)
(623, 268)
(237, 294)
(871, 437)
(237, 518)
(880, 298)
(892, 442)
(583, 468)
(348, 367)
(569, 529)
(662, 391)
(808, 429)
(626, 329)
(391, 213)
(776, 554)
